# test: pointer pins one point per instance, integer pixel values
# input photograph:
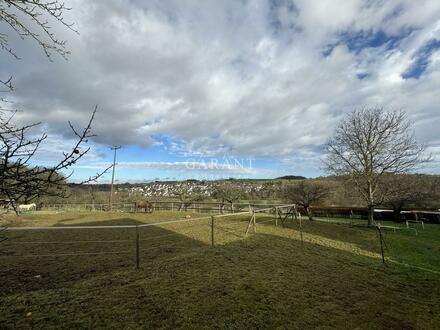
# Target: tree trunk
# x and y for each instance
(309, 212)
(371, 222)
(371, 215)
(396, 213)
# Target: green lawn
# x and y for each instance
(335, 279)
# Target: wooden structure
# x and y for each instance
(252, 222)
(278, 211)
(291, 213)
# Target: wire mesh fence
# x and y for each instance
(415, 245)
(138, 243)
(411, 244)
(90, 207)
(132, 206)
(122, 244)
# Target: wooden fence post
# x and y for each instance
(212, 230)
(276, 216)
(249, 223)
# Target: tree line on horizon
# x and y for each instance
(398, 192)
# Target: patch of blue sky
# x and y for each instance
(162, 162)
(421, 60)
(356, 41)
(362, 76)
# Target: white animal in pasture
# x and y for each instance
(27, 207)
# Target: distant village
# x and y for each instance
(203, 188)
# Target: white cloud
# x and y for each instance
(249, 78)
(210, 169)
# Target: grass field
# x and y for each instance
(335, 279)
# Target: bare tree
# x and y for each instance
(305, 194)
(269, 190)
(230, 193)
(370, 143)
(31, 19)
(401, 191)
(186, 194)
(20, 179)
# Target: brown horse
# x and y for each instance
(144, 206)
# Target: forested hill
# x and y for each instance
(291, 177)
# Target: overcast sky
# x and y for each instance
(189, 87)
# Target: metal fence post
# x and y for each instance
(212, 230)
(137, 247)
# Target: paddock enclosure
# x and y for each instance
(213, 207)
(116, 236)
(176, 269)
(134, 238)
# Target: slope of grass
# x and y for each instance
(86, 218)
(403, 246)
(266, 280)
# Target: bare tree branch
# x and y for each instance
(20, 180)
(186, 195)
(30, 19)
(230, 193)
